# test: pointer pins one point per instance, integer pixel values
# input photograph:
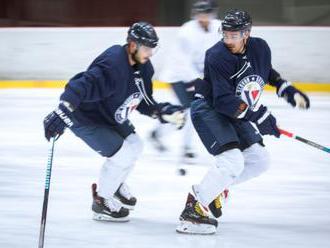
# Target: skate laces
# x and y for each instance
(125, 192)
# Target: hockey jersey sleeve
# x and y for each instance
(89, 86)
(277, 81)
(148, 106)
(178, 64)
(223, 91)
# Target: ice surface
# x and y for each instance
(286, 207)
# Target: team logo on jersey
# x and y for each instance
(250, 89)
(130, 104)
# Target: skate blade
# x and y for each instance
(129, 207)
(103, 217)
(187, 227)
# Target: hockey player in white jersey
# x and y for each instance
(186, 63)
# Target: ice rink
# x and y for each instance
(288, 206)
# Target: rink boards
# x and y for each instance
(48, 57)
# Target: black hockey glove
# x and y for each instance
(174, 114)
(293, 96)
(57, 121)
(264, 120)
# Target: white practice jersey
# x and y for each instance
(185, 61)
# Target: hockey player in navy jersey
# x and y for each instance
(96, 105)
(236, 71)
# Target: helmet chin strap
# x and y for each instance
(243, 48)
(244, 44)
(134, 57)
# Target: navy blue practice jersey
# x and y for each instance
(233, 78)
(110, 89)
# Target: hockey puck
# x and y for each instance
(182, 172)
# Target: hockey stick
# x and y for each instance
(308, 142)
(46, 194)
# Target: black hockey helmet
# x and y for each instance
(204, 6)
(143, 33)
(236, 20)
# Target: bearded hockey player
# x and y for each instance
(96, 105)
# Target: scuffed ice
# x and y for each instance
(286, 207)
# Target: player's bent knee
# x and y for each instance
(232, 161)
(135, 144)
(261, 157)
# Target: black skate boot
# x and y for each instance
(216, 205)
(194, 220)
(125, 197)
(108, 209)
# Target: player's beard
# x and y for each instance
(138, 59)
(231, 48)
(235, 49)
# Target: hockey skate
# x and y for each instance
(108, 209)
(194, 219)
(215, 206)
(124, 196)
(156, 142)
